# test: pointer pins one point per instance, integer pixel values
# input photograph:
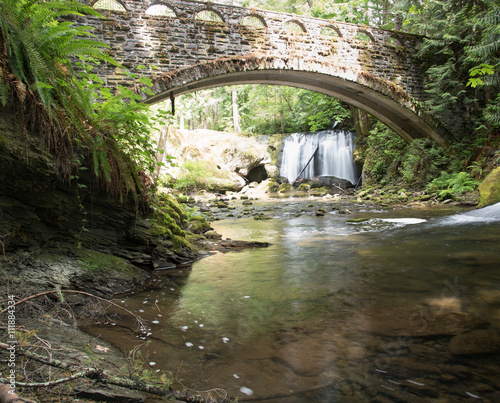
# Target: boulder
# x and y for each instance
(489, 189)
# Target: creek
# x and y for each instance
(332, 311)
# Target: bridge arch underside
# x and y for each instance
(385, 101)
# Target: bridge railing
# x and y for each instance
(271, 21)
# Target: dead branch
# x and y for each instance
(86, 373)
(137, 318)
(98, 374)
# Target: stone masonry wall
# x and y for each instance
(163, 43)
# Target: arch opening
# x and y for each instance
(112, 5)
(294, 26)
(399, 117)
(208, 15)
(254, 21)
(160, 10)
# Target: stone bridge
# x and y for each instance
(187, 46)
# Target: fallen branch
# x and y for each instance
(86, 373)
(98, 374)
(137, 318)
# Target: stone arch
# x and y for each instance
(161, 9)
(111, 5)
(330, 30)
(382, 99)
(294, 25)
(253, 18)
(363, 34)
(207, 13)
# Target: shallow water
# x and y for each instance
(332, 311)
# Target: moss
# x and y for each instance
(272, 186)
(180, 242)
(356, 220)
(304, 187)
(489, 189)
(285, 187)
(93, 260)
(198, 225)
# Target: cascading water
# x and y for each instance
(332, 151)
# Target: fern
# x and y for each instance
(38, 78)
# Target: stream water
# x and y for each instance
(333, 311)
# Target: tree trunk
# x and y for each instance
(160, 153)
(236, 112)
(362, 120)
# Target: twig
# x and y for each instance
(86, 373)
(96, 373)
(138, 319)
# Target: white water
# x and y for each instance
(333, 158)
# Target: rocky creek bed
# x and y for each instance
(106, 272)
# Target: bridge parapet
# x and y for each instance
(166, 43)
(370, 68)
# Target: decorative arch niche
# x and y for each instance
(208, 15)
(160, 10)
(112, 5)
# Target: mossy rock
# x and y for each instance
(272, 186)
(489, 189)
(284, 187)
(304, 187)
(261, 216)
(103, 263)
(322, 190)
(315, 184)
(357, 220)
(198, 225)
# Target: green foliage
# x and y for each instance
(38, 80)
(449, 185)
(139, 370)
(381, 153)
(422, 162)
(264, 109)
(387, 157)
(462, 52)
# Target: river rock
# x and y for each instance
(308, 356)
(419, 321)
(212, 235)
(476, 342)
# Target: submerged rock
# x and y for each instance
(476, 342)
(417, 321)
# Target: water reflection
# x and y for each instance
(333, 310)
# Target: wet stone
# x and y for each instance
(476, 342)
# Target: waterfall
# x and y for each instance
(332, 158)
